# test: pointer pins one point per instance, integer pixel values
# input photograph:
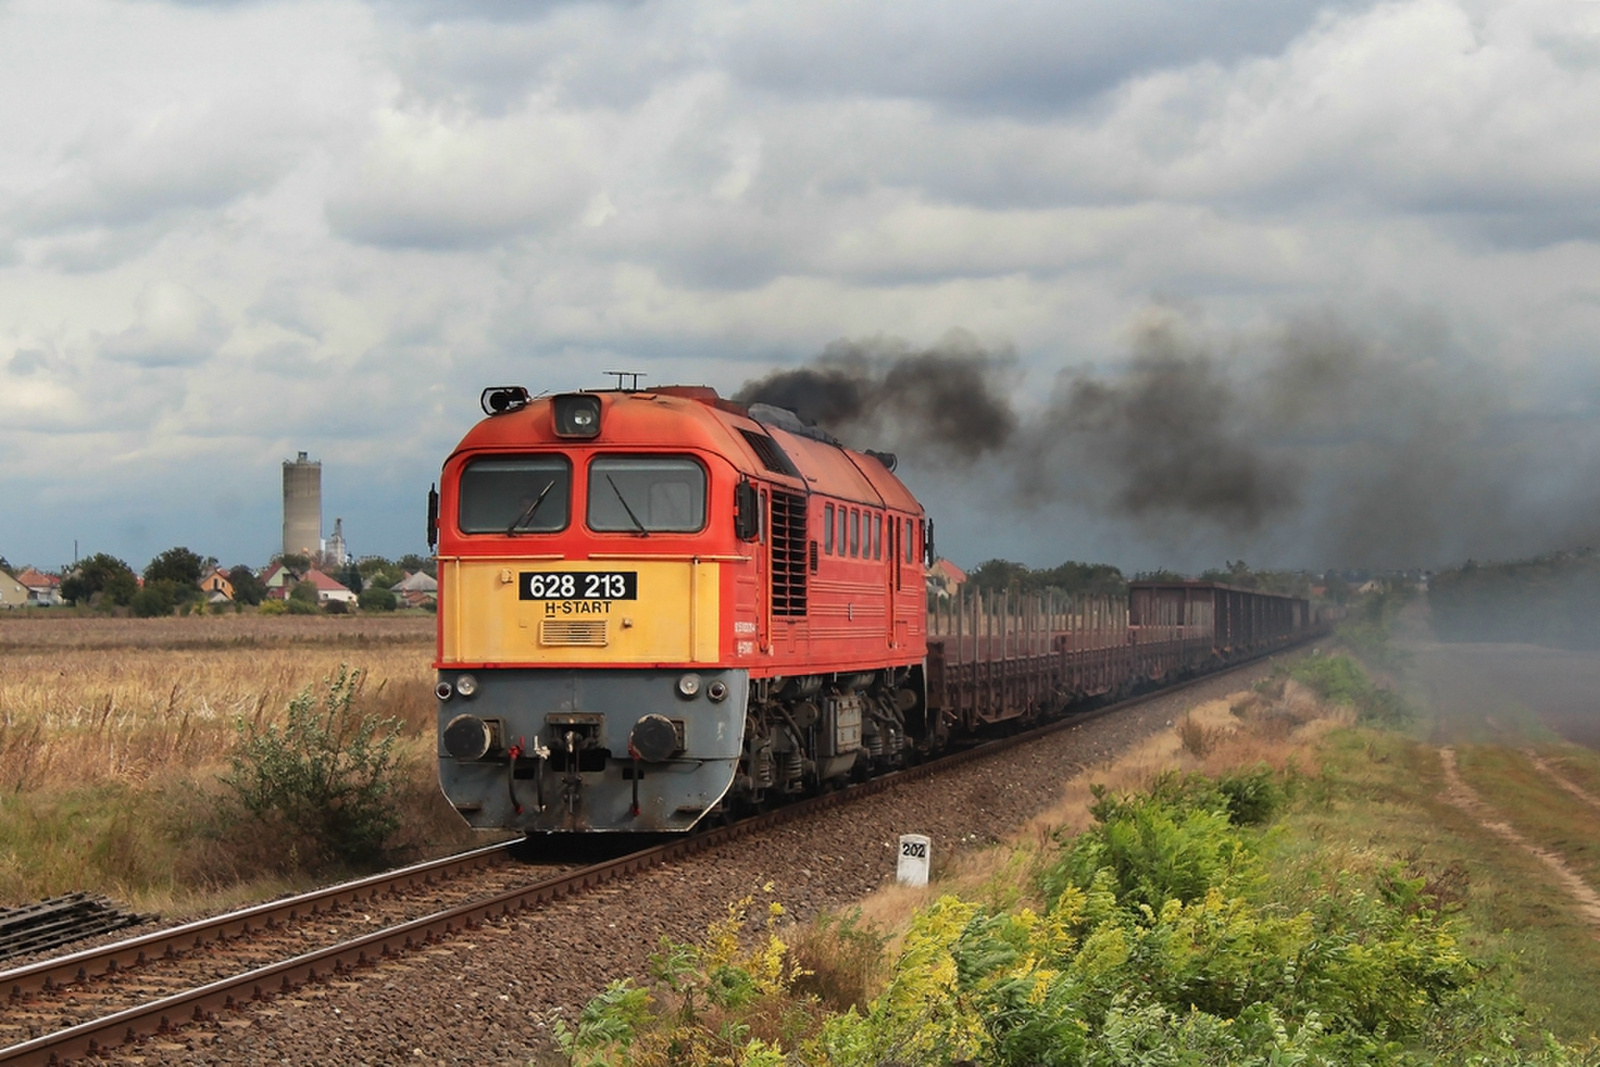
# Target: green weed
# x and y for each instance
(324, 781)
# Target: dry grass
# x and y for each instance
(111, 744)
(73, 715)
(62, 630)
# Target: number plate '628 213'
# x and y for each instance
(578, 585)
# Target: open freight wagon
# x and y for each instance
(995, 658)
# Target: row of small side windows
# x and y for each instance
(859, 535)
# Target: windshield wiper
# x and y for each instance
(624, 502)
(527, 513)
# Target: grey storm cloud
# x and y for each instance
(1019, 58)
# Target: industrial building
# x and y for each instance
(302, 507)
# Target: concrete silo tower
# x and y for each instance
(302, 506)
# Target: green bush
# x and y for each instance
(1341, 680)
(376, 598)
(1253, 796)
(157, 598)
(325, 780)
(1149, 849)
(299, 607)
(273, 607)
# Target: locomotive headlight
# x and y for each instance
(577, 415)
(468, 737)
(443, 690)
(689, 686)
(466, 685)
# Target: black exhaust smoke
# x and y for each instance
(950, 399)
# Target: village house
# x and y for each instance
(44, 590)
(217, 582)
(945, 578)
(415, 590)
(13, 594)
(328, 589)
(279, 580)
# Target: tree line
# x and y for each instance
(171, 581)
(1103, 579)
(1547, 600)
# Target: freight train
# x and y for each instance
(657, 605)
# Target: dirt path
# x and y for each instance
(1559, 779)
(1467, 799)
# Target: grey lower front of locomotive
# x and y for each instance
(593, 750)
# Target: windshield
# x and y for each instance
(644, 494)
(515, 494)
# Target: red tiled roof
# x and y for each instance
(323, 583)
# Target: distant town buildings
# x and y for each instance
(43, 589)
(310, 559)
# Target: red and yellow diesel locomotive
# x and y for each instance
(658, 603)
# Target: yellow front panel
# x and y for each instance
(675, 618)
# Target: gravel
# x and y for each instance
(485, 996)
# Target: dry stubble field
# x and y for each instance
(139, 715)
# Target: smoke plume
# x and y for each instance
(1309, 443)
(950, 399)
(1171, 438)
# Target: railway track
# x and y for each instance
(75, 987)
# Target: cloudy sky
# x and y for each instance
(1364, 237)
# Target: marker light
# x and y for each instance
(689, 686)
(466, 685)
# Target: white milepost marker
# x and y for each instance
(915, 855)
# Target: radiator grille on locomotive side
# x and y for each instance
(789, 557)
(589, 633)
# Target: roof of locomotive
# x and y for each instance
(693, 416)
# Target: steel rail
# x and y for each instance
(161, 1016)
(108, 959)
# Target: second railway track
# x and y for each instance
(94, 1001)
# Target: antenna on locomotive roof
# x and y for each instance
(633, 377)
